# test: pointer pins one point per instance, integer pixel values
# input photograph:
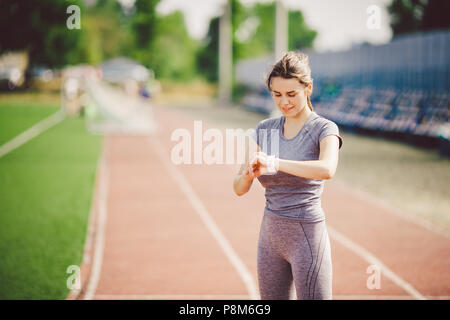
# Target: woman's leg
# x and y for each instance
(311, 262)
(274, 272)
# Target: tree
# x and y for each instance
(238, 16)
(300, 35)
(39, 28)
(408, 16)
(253, 35)
(173, 52)
(143, 25)
(208, 55)
(261, 42)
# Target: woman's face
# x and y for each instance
(290, 95)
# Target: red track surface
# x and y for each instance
(156, 246)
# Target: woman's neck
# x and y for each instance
(298, 119)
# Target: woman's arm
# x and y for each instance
(244, 179)
(323, 168)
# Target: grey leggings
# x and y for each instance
(292, 251)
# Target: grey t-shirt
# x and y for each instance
(288, 195)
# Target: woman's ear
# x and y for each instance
(309, 88)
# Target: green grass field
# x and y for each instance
(46, 188)
(16, 118)
(408, 178)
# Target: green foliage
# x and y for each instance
(408, 16)
(238, 16)
(208, 55)
(405, 16)
(300, 35)
(162, 42)
(143, 31)
(39, 27)
(173, 52)
(144, 22)
(106, 32)
(159, 42)
(260, 43)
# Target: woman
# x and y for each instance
(293, 245)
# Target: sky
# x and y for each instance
(339, 23)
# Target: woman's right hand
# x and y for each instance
(248, 176)
(254, 170)
(250, 173)
(247, 171)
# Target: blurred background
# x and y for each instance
(380, 69)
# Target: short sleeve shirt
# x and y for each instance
(288, 195)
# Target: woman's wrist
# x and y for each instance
(271, 163)
(277, 163)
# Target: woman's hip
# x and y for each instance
(289, 236)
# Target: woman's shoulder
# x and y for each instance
(320, 121)
(324, 127)
(269, 123)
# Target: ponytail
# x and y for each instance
(309, 104)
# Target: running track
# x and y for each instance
(161, 231)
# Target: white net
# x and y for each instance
(110, 111)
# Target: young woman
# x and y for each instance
(293, 156)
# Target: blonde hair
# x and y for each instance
(292, 65)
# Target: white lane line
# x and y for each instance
(370, 258)
(170, 297)
(101, 225)
(74, 294)
(393, 210)
(200, 209)
(383, 297)
(32, 132)
(244, 297)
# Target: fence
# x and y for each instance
(418, 61)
